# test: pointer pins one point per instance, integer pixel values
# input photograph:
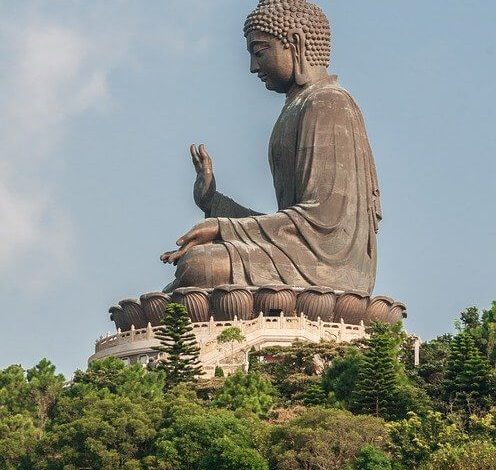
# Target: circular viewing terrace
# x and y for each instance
(137, 345)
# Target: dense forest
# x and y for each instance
(327, 406)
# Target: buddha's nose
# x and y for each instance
(254, 68)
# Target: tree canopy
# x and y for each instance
(326, 406)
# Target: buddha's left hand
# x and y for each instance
(201, 234)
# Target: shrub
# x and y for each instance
(249, 392)
(219, 372)
(372, 458)
(326, 439)
(413, 440)
(477, 455)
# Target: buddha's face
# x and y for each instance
(271, 61)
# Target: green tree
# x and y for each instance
(294, 388)
(250, 392)
(293, 369)
(382, 387)
(413, 440)
(372, 458)
(470, 318)
(18, 438)
(230, 336)
(467, 385)
(484, 427)
(340, 378)
(489, 332)
(324, 439)
(315, 395)
(107, 432)
(107, 418)
(15, 397)
(113, 375)
(45, 387)
(299, 358)
(475, 455)
(178, 344)
(195, 436)
(482, 327)
(430, 373)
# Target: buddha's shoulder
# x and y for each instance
(328, 94)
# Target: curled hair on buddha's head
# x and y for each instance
(280, 17)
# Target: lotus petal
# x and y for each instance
(272, 300)
(229, 301)
(351, 308)
(196, 302)
(133, 310)
(154, 305)
(317, 302)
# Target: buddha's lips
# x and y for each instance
(263, 77)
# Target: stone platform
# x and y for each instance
(136, 345)
(224, 303)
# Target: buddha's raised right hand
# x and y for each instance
(205, 186)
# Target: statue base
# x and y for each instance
(224, 303)
(267, 316)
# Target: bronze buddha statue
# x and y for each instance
(324, 233)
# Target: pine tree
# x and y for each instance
(467, 385)
(314, 395)
(380, 373)
(178, 343)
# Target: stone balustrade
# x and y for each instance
(258, 332)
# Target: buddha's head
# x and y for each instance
(289, 42)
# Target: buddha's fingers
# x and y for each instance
(196, 158)
(188, 237)
(205, 158)
(165, 257)
(174, 257)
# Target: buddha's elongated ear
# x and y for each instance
(297, 44)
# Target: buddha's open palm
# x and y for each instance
(205, 185)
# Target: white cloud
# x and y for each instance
(55, 65)
(55, 73)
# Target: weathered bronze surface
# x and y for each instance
(324, 233)
(230, 302)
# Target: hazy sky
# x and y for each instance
(101, 99)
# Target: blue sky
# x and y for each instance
(100, 101)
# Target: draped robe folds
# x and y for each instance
(324, 233)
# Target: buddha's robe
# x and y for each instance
(324, 233)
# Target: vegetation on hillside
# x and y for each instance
(328, 406)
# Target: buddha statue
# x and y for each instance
(324, 232)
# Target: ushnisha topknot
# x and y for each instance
(278, 17)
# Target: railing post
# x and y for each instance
(417, 351)
(149, 331)
(321, 327)
(211, 326)
(133, 333)
(342, 330)
(303, 321)
(235, 321)
(281, 320)
(261, 320)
